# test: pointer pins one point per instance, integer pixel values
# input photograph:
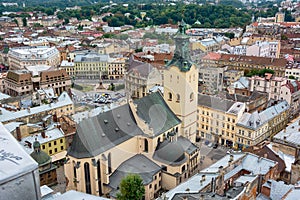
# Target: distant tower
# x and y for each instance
(279, 17)
(24, 5)
(253, 18)
(181, 85)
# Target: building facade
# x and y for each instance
(181, 85)
(256, 127)
(140, 78)
(21, 82)
(91, 65)
(141, 137)
(245, 63)
(217, 119)
(269, 84)
(29, 56)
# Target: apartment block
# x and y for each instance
(217, 119)
(28, 56)
(21, 82)
(91, 65)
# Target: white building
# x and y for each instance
(293, 69)
(259, 48)
(291, 93)
(19, 175)
(269, 84)
(20, 57)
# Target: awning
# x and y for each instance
(59, 156)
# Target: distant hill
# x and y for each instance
(50, 3)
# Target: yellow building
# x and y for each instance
(279, 17)
(116, 68)
(181, 85)
(208, 44)
(253, 128)
(217, 119)
(69, 67)
(143, 135)
(52, 141)
(91, 65)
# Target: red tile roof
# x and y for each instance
(212, 56)
(255, 60)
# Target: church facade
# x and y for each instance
(152, 136)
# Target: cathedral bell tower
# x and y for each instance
(181, 85)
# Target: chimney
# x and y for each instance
(203, 177)
(28, 143)
(43, 134)
(19, 136)
(54, 117)
(58, 126)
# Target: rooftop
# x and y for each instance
(14, 162)
(220, 104)
(138, 164)
(104, 131)
(291, 134)
(91, 57)
(255, 120)
(63, 100)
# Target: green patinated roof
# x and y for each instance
(41, 157)
(181, 56)
(36, 144)
(155, 112)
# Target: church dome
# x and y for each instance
(39, 156)
(170, 153)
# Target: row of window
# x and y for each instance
(170, 97)
(207, 113)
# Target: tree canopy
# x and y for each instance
(131, 187)
(261, 72)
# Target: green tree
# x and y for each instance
(284, 37)
(229, 35)
(66, 21)
(24, 21)
(16, 22)
(131, 187)
(292, 77)
(80, 27)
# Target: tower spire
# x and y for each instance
(181, 56)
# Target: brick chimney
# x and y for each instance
(55, 117)
(19, 135)
(43, 134)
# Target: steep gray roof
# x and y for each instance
(138, 164)
(156, 113)
(187, 145)
(91, 57)
(290, 135)
(255, 119)
(242, 98)
(97, 134)
(170, 153)
(214, 102)
(278, 188)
